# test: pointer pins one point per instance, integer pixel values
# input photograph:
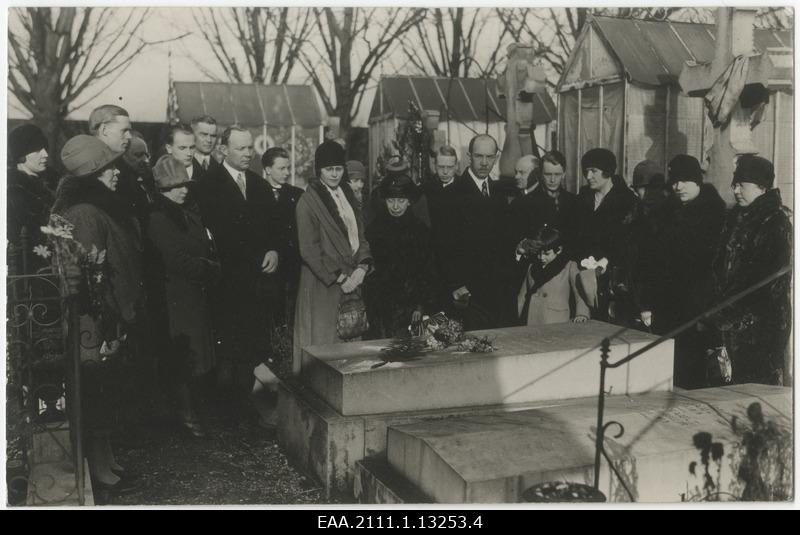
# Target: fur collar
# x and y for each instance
(330, 204)
(174, 211)
(79, 190)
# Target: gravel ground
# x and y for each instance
(239, 463)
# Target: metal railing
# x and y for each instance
(44, 416)
(605, 346)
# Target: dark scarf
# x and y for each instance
(541, 276)
(330, 204)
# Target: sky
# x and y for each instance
(142, 89)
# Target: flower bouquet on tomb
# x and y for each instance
(434, 333)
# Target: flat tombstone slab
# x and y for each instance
(531, 364)
(493, 459)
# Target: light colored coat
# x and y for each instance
(326, 253)
(551, 302)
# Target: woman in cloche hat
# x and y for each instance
(184, 251)
(87, 198)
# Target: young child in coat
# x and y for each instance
(548, 293)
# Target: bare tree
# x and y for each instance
(252, 44)
(332, 59)
(61, 58)
(455, 43)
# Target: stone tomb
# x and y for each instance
(493, 459)
(530, 364)
(348, 396)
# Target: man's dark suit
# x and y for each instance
(198, 173)
(243, 234)
(282, 285)
(478, 254)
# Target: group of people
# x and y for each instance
(205, 257)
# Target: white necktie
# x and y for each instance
(242, 184)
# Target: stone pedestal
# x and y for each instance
(493, 459)
(347, 396)
(530, 364)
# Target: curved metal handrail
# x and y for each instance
(605, 347)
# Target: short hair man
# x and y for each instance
(525, 173)
(446, 165)
(138, 156)
(180, 144)
(205, 136)
(474, 256)
(234, 204)
(282, 289)
(111, 125)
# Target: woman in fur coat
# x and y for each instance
(400, 289)
(756, 242)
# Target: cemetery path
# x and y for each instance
(239, 463)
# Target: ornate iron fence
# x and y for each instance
(43, 382)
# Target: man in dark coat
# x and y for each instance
(756, 242)
(206, 134)
(606, 212)
(281, 287)
(438, 190)
(234, 204)
(676, 276)
(477, 259)
(29, 200)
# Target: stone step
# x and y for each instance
(493, 459)
(376, 482)
(537, 363)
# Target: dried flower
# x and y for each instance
(43, 251)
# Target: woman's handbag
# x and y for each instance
(351, 319)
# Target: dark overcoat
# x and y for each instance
(403, 279)
(477, 252)
(243, 234)
(103, 219)
(28, 207)
(756, 242)
(185, 255)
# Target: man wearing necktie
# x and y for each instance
(476, 260)
(282, 285)
(205, 132)
(236, 205)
